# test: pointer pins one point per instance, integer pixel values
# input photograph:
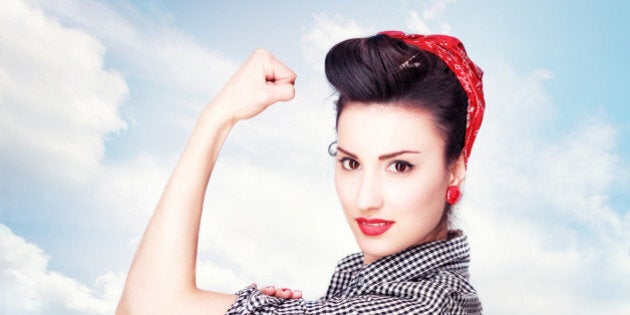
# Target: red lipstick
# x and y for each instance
(374, 227)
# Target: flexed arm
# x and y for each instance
(161, 279)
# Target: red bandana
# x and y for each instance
(452, 52)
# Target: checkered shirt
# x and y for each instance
(431, 278)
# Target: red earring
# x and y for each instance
(452, 195)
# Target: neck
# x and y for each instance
(439, 233)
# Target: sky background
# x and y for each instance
(97, 99)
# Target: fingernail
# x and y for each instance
(253, 285)
(285, 290)
(270, 287)
(297, 292)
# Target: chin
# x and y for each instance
(377, 248)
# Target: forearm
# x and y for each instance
(164, 264)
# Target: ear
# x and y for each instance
(457, 171)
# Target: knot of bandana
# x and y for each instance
(453, 54)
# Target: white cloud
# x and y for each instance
(435, 10)
(415, 24)
(58, 104)
(536, 206)
(585, 167)
(56, 100)
(126, 192)
(27, 286)
(172, 75)
(327, 31)
(430, 21)
(151, 47)
(520, 267)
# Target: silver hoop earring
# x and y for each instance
(332, 148)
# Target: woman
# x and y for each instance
(408, 111)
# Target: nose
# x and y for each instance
(369, 195)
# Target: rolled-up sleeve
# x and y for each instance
(251, 301)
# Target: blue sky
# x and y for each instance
(97, 100)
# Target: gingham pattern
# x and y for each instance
(430, 278)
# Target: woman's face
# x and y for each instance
(391, 177)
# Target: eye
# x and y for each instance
(400, 167)
(349, 164)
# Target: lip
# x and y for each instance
(374, 227)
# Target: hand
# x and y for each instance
(261, 81)
(283, 293)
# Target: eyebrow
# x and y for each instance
(382, 157)
(395, 154)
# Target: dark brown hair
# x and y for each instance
(387, 70)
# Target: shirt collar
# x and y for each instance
(412, 264)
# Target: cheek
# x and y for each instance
(345, 190)
(419, 194)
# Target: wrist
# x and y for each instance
(214, 117)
